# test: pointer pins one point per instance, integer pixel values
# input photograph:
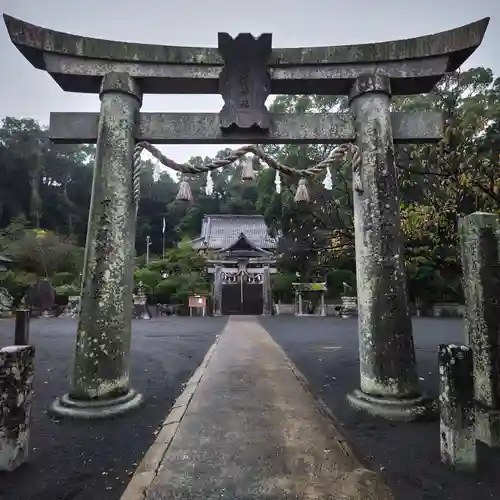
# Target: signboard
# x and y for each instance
(197, 301)
(310, 287)
(317, 287)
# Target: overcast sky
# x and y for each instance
(27, 92)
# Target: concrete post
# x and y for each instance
(479, 243)
(100, 383)
(389, 381)
(217, 305)
(22, 328)
(17, 367)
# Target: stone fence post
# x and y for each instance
(349, 306)
(17, 366)
(217, 291)
(456, 407)
(479, 243)
(22, 328)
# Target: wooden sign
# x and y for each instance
(197, 301)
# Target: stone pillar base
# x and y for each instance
(68, 407)
(488, 426)
(408, 410)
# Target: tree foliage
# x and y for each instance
(47, 187)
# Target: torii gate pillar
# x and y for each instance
(390, 389)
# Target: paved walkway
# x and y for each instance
(246, 428)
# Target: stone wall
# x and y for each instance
(440, 310)
(448, 310)
(289, 309)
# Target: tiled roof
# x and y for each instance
(220, 231)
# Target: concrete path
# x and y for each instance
(247, 428)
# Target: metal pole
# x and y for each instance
(148, 242)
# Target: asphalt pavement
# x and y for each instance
(83, 460)
(407, 454)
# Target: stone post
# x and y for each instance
(266, 289)
(300, 304)
(17, 367)
(349, 307)
(323, 308)
(22, 328)
(389, 381)
(217, 301)
(100, 382)
(456, 407)
(479, 243)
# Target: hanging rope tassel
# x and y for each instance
(184, 193)
(277, 182)
(209, 186)
(248, 173)
(302, 193)
(328, 181)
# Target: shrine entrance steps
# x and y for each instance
(246, 427)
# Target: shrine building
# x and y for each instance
(241, 256)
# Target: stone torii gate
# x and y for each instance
(244, 70)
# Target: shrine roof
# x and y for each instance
(223, 230)
(242, 245)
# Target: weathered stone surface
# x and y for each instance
(349, 306)
(76, 63)
(205, 128)
(217, 291)
(479, 243)
(101, 368)
(244, 82)
(488, 425)
(481, 282)
(456, 407)
(22, 328)
(101, 362)
(387, 357)
(140, 307)
(17, 366)
(6, 301)
(267, 297)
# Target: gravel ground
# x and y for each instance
(78, 460)
(407, 454)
